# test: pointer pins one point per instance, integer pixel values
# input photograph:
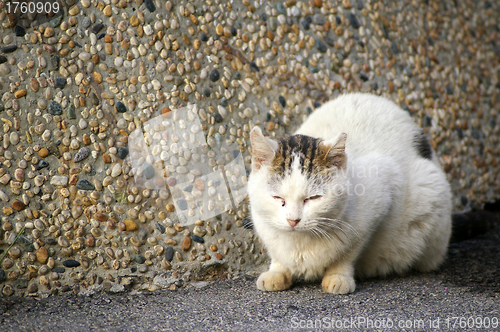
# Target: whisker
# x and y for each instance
(338, 221)
(330, 225)
(333, 236)
(326, 236)
(318, 234)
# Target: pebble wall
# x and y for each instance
(126, 122)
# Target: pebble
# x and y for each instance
(15, 252)
(71, 112)
(59, 180)
(20, 93)
(32, 288)
(130, 225)
(182, 204)
(8, 49)
(86, 22)
(83, 153)
(354, 21)
(122, 152)
(26, 244)
(182, 169)
(150, 5)
(20, 31)
(85, 185)
(160, 228)
(321, 46)
(280, 7)
(254, 66)
(96, 28)
(116, 170)
(55, 108)
(43, 153)
(18, 205)
(60, 83)
(169, 253)
(90, 241)
(198, 183)
(70, 263)
(218, 118)
(318, 19)
(19, 175)
(62, 241)
(139, 259)
(214, 75)
(7, 290)
(149, 171)
(53, 149)
(120, 107)
(73, 10)
(4, 69)
(42, 255)
(197, 238)
(272, 23)
(7, 263)
(186, 243)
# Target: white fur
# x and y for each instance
(401, 219)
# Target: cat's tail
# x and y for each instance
(470, 224)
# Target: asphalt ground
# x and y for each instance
(463, 295)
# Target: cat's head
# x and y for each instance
(298, 182)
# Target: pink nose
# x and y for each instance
(293, 223)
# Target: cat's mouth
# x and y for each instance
(298, 228)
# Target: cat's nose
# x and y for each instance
(292, 222)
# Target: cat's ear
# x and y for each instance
(263, 148)
(334, 151)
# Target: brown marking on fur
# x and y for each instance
(315, 157)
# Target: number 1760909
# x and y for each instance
(32, 7)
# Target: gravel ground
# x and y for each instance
(462, 294)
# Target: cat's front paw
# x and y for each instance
(338, 284)
(274, 281)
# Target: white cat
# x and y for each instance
(357, 191)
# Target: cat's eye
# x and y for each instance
(282, 201)
(312, 198)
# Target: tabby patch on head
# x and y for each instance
(312, 153)
(315, 156)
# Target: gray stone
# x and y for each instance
(71, 112)
(86, 22)
(55, 108)
(318, 19)
(85, 185)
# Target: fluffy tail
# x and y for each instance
(474, 223)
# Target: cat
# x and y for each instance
(357, 191)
